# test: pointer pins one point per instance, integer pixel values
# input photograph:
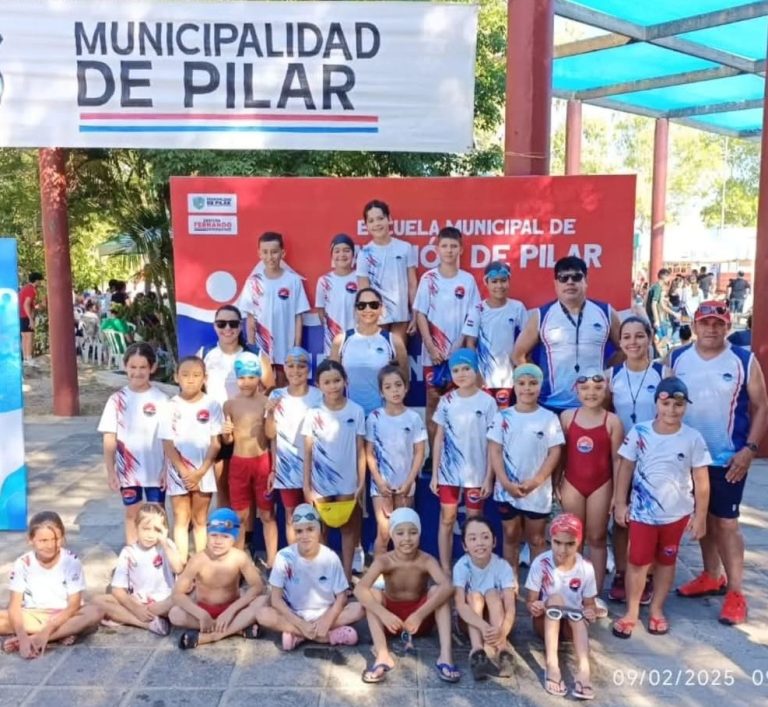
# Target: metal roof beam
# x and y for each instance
(710, 19)
(587, 16)
(715, 108)
(592, 44)
(703, 52)
(707, 128)
(589, 94)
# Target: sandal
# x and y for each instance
(507, 664)
(189, 639)
(251, 633)
(622, 628)
(481, 667)
(554, 687)
(658, 625)
(342, 636)
(447, 672)
(376, 673)
(582, 692)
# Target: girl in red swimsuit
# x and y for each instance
(593, 437)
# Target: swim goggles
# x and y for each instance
(677, 395)
(308, 517)
(597, 378)
(222, 525)
(558, 612)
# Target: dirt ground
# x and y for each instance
(38, 393)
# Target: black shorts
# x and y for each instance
(25, 326)
(508, 512)
(225, 451)
(724, 497)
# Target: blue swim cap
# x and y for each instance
(342, 239)
(224, 521)
(528, 369)
(247, 364)
(464, 356)
(496, 269)
(299, 353)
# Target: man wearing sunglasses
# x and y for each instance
(567, 336)
(730, 411)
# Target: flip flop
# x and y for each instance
(554, 687)
(376, 673)
(189, 639)
(622, 628)
(447, 672)
(582, 692)
(658, 625)
(480, 666)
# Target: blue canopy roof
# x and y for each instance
(696, 62)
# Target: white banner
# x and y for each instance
(237, 75)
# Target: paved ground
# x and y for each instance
(699, 662)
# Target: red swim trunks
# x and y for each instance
(403, 609)
(215, 610)
(248, 478)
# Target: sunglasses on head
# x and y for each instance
(597, 378)
(558, 612)
(677, 395)
(572, 276)
(373, 304)
(224, 323)
(712, 309)
(221, 524)
(308, 517)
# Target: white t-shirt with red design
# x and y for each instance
(574, 585)
(47, 588)
(336, 295)
(145, 573)
(135, 419)
(274, 304)
(445, 302)
(386, 267)
(190, 426)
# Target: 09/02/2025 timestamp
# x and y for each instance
(685, 678)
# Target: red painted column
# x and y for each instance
(760, 279)
(659, 196)
(61, 321)
(573, 137)
(530, 34)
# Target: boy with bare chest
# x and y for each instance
(250, 466)
(407, 605)
(216, 609)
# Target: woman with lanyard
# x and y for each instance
(366, 349)
(631, 388)
(221, 382)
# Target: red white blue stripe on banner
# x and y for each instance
(119, 122)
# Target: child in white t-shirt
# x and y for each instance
(561, 598)
(335, 291)
(484, 592)
(460, 451)
(334, 458)
(395, 446)
(190, 428)
(47, 586)
(389, 266)
(133, 451)
(143, 580)
(667, 463)
(286, 410)
(492, 328)
(444, 297)
(525, 447)
(273, 299)
(309, 590)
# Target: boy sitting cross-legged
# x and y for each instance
(407, 605)
(216, 609)
(309, 589)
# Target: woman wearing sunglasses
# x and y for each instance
(631, 387)
(366, 349)
(221, 381)
(592, 440)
